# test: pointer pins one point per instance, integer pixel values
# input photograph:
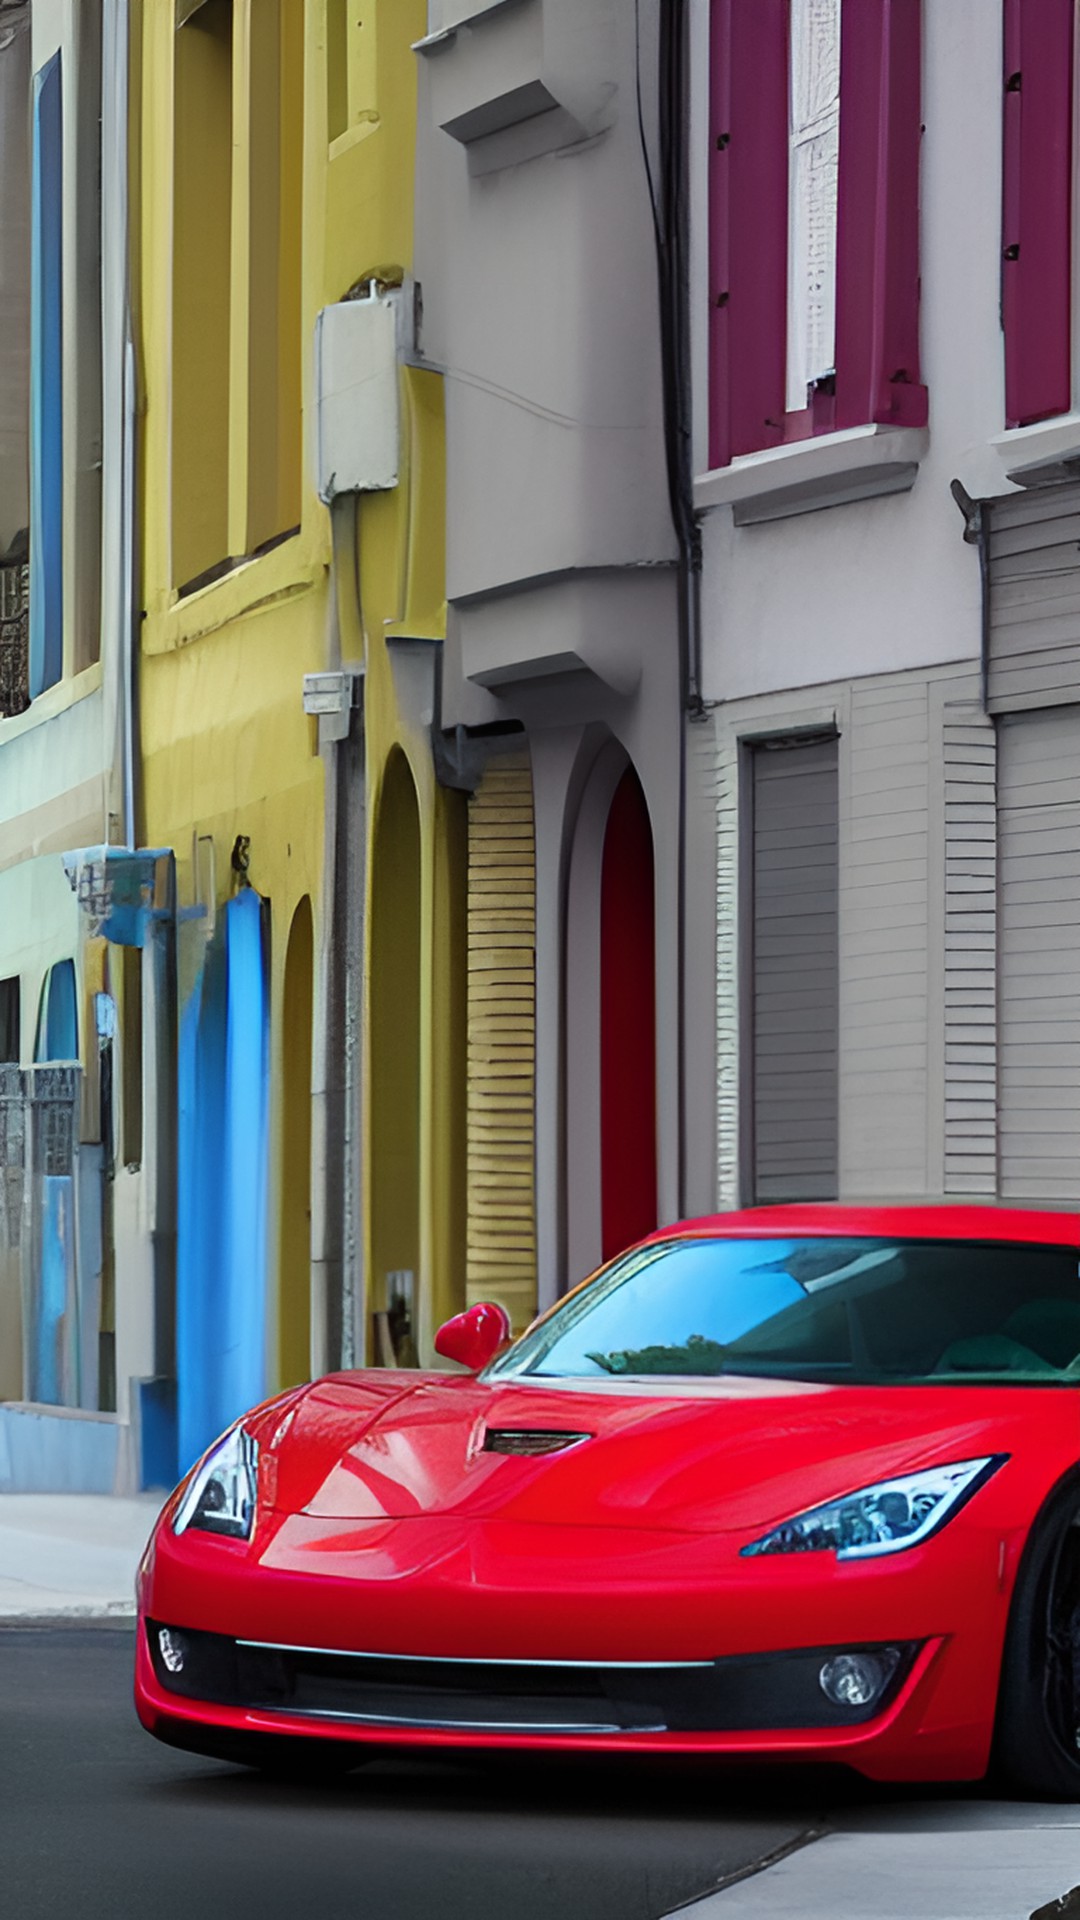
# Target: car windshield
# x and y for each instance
(865, 1311)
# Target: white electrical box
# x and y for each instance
(357, 397)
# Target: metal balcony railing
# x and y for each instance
(14, 630)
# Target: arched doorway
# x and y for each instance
(294, 1244)
(394, 1074)
(627, 1021)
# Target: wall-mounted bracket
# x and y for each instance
(332, 699)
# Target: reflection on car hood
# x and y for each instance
(732, 1454)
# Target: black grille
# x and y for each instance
(531, 1441)
(732, 1695)
(14, 633)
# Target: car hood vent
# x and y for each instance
(530, 1440)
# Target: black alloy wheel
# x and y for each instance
(1037, 1738)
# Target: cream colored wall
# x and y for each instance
(39, 924)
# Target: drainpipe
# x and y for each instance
(335, 699)
(118, 412)
(977, 534)
(359, 344)
(668, 185)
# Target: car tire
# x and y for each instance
(1037, 1736)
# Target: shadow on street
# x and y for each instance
(102, 1821)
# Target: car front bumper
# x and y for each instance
(642, 1619)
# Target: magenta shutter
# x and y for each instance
(877, 242)
(877, 272)
(1036, 271)
(748, 139)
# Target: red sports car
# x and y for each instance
(802, 1483)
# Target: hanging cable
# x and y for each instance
(668, 189)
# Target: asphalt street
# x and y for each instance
(100, 1821)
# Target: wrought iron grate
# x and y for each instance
(14, 638)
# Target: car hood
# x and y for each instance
(719, 1455)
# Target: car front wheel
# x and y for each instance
(1037, 1739)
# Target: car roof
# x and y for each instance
(824, 1218)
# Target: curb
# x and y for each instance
(94, 1613)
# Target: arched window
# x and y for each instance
(58, 1017)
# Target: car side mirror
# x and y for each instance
(475, 1336)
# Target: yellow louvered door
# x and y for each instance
(502, 1039)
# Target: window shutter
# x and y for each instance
(795, 973)
(877, 274)
(748, 139)
(813, 153)
(1036, 271)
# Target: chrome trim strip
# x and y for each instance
(473, 1660)
(477, 1726)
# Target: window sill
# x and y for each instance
(351, 137)
(55, 700)
(448, 15)
(285, 571)
(860, 463)
(1038, 455)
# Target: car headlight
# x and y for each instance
(885, 1518)
(220, 1497)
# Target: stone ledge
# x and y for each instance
(833, 468)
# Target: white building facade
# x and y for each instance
(560, 691)
(77, 1292)
(887, 381)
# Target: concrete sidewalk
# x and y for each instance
(71, 1555)
(929, 1860)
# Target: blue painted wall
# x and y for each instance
(247, 1069)
(221, 1251)
(55, 1344)
(49, 1355)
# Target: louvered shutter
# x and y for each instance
(877, 231)
(795, 971)
(1036, 281)
(501, 1139)
(1034, 652)
(877, 244)
(1039, 961)
(748, 241)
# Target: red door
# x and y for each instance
(627, 1022)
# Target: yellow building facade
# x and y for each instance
(275, 143)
